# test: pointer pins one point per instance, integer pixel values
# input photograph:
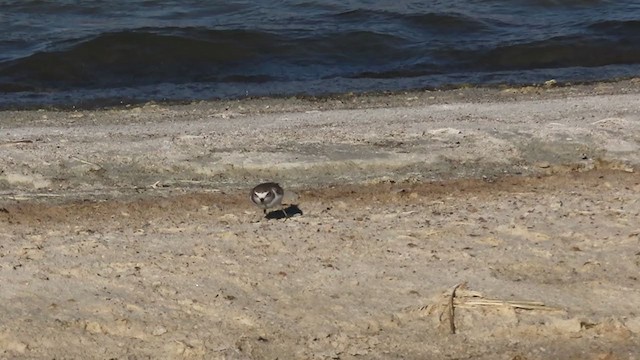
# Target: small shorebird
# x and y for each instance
(268, 195)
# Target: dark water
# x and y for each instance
(105, 52)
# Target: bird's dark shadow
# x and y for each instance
(288, 212)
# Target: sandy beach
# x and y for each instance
(463, 224)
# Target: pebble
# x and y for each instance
(633, 324)
(159, 330)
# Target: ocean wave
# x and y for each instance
(315, 47)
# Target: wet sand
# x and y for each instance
(128, 233)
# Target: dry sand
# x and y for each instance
(128, 233)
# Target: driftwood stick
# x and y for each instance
(523, 304)
(452, 321)
(14, 142)
(86, 162)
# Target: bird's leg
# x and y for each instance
(264, 211)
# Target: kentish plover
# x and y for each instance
(268, 195)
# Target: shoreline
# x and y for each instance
(355, 100)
